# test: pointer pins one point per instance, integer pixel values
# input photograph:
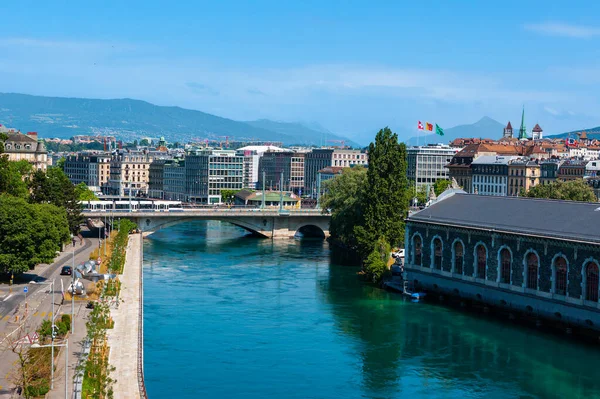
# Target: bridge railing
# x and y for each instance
(207, 210)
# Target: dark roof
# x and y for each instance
(537, 128)
(509, 126)
(578, 221)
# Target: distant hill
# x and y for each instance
(303, 134)
(130, 119)
(593, 133)
(484, 128)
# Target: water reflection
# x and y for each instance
(432, 350)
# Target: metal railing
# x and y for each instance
(141, 383)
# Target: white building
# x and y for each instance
(583, 153)
(427, 164)
(592, 168)
(490, 174)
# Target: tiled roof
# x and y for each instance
(537, 128)
(509, 126)
(549, 218)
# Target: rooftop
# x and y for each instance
(578, 221)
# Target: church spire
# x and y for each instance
(522, 129)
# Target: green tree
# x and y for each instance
(61, 163)
(387, 194)
(54, 187)
(440, 186)
(29, 233)
(226, 196)
(83, 193)
(135, 143)
(3, 138)
(573, 190)
(144, 143)
(344, 196)
(14, 177)
(421, 194)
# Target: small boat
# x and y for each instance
(409, 291)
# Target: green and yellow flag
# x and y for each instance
(439, 130)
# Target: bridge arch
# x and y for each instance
(266, 225)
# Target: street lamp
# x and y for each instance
(73, 293)
(66, 345)
(51, 283)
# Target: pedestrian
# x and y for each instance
(73, 241)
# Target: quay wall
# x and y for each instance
(519, 292)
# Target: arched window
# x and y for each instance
(481, 261)
(458, 257)
(591, 282)
(437, 253)
(417, 247)
(532, 271)
(560, 276)
(505, 266)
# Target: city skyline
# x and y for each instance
(351, 68)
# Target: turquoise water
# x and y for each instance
(232, 316)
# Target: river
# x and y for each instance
(233, 316)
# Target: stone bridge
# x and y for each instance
(270, 223)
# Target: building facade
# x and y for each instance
(288, 163)
(427, 164)
(507, 252)
(208, 172)
(320, 158)
(129, 174)
(490, 175)
(91, 169)
(571, 169)
(549, 171)
(174, 181)
(523, 174)
(26, 147)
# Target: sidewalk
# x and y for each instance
(123, 338)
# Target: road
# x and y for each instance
(15, 312)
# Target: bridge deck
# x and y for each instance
(206, 213)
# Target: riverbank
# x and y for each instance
(123, 339)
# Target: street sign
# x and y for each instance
(34, 338)
(25, 290)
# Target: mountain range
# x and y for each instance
(133, 119)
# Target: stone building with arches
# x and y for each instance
(524, 254)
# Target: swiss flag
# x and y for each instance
(420, 126)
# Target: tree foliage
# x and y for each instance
(440, 186)
(83, 193)
(226, 196)
(54, 187)
(368, 208)
(14, 177)
(344, 195)
(29, 233)
(573, 190)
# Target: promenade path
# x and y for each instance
(123, 338)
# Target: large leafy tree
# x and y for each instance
(573, 190)
(386, 197)
(14, 177)
(29, 233)
(441, 185)
(344, 196)
(54, 187)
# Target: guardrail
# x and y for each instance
(141, 383)
(207, 211)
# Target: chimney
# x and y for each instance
(33, 135)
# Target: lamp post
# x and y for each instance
(52, 336)
(66, 345)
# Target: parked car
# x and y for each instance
(398, 254)
(66, 271)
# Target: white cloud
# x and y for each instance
(564, 30)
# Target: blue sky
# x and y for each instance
(351, 66)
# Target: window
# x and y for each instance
(437, 253)
(532, 271)
(481, 261)
(591, 282)
(505, 263)
(560, 276)
(458, 257)
(417, 250)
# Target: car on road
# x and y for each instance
(66, 271)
